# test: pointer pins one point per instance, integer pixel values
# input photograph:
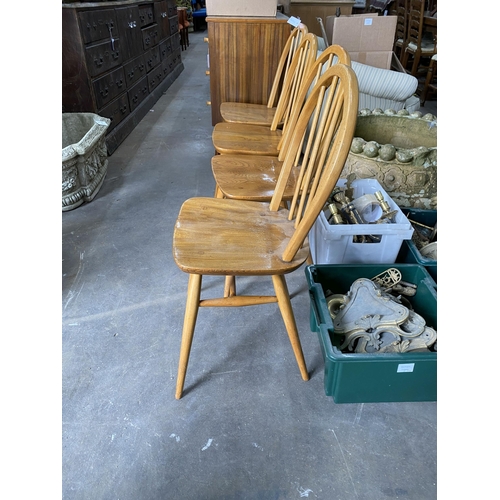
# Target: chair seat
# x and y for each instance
(254, 178)
(425, 48)
(233, 237)
(241, 112)
(244, 138)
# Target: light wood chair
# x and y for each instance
(247, 138)
(263, 114)
(214, 236)
(416, 45)
(253, 177)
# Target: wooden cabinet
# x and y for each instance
(309, 10)
(243, 55)
(118, 59)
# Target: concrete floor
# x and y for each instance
(248, 427)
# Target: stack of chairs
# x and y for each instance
(243, 236)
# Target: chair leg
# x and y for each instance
(218, 192)
(230, 286)
(285, 306)
(404, 60)
(192, 306)
(416, 61)
(430, 76)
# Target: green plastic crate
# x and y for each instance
(409, 252)
(372, 378)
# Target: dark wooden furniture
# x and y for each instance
(244, 53)
(118, 59)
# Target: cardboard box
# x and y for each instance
(369, 39)
(242, 8)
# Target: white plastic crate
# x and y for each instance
(333, 244)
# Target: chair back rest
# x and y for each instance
(284, 63)
(402, 22)
(415, 21)
(302, 60)
(326, 124)
(333, 54)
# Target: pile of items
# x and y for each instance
(343, 208)
(375, 317)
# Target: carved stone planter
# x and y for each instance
(84, 157)
(398, 149)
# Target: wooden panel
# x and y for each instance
(146, 14)
(138, 93)
(174, 24)
(165, 49)
(97, 25)
(130, 31)
(150, 36)
(161, 17)
(135, 70)
(116, 111)
(244, 54)
(152, 58)
(171, 8)
(103, 57)
(109, 86)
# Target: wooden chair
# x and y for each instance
(251, 177)
(416, 46)
(263, 114)
(183, 27)
(247, 138)
(400, 40)
(214, 236)
(431, 80)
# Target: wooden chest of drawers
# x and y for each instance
(118, 59)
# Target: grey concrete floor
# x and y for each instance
(247, 426)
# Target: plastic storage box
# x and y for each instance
(377, 377)
(333, 244)
(409, 251)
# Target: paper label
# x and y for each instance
(406, 367)
(294, 21)
(368, 21)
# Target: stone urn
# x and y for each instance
(84, 157)
(398, 149)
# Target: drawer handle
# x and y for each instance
(130, 74)
(119, 84)
(123, 108)
(163, 14)
(104, 92)
(132, 24)
(99, 62)
(116, 54)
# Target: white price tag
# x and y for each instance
(294, 21)
(368, 21)
(406, 367)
